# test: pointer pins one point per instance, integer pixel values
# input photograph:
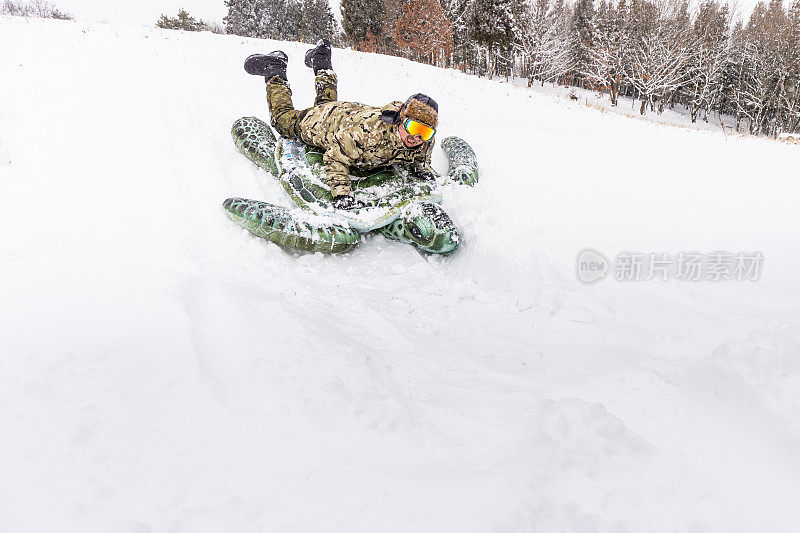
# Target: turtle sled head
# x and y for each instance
(426, 226)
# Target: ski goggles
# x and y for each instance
(418, 128)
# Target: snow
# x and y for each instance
(163, 370)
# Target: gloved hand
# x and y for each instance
(423, 174)
(347, 202)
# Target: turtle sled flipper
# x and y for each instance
(254, 138)
(291, 229)
(461, 161)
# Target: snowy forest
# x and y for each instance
(659, 52)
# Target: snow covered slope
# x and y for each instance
(162, 370)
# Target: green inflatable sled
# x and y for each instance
(396, 205)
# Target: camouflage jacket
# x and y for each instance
(353, 135)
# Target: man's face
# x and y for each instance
(410, 141)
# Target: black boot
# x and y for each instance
(319, 57)
(270, 65)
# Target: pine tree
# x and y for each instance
(792, 83)
(265, 19)
(769, 95)
(457, 11)
(183, 21)
(582, 30)
(280, 19)
(241, 18)
(317, 22)
(734, 76)
(492, 24)
(390, 14)
(362, 20)
(709, 36)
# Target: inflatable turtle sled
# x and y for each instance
(396, 204)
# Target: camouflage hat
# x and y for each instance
(422, 108)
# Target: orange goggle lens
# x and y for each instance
(418, 128)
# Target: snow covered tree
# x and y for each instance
(362, 21)
(792, 78)
(33, 8)
(457, 12)
(242, 18)
(423, 29)
(733, 76)
(659, 58)
(317, 22)
(610, 53)
(709, 57)
(265, 19)
(492, 25)
(544, 42)
(581, 39)
(280, 19)
(769, 95)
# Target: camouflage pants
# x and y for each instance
(285, 118)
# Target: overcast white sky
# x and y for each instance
(140, 11)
